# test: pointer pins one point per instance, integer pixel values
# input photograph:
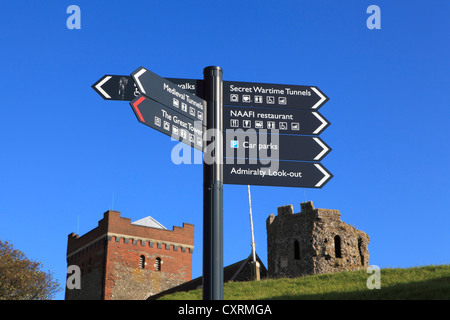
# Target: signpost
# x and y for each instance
(272, 95)
(168, 121)
(123, 87)
(287, 121)
(169, 94)
(250, 134)
(254, 144)
(278, 174)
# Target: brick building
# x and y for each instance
(121, 260)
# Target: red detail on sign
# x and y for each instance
(137, 109)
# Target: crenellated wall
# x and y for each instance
(313, 241)
(120, 260)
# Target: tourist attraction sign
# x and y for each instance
(123, 87)
(287, 121)
(277, 173)
(244, 94)
(168, 121)
(272, 95)
(169, 94)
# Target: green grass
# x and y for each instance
(417, 283)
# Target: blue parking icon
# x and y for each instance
(234, 144)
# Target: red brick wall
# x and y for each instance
(122, 278)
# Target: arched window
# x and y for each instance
(296, 250)
(337, 246)
(158, 264)
(142, 262)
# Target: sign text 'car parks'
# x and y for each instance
(275, 122)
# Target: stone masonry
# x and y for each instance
(313, 241)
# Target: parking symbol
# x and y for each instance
(234, 144)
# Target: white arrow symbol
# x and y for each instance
(324, 147)
(324, 123)
(326, 175)
(136, 78)
(322, 98)
(99, 87)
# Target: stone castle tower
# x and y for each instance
(313, 241)
(120, 260)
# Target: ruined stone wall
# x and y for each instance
(313, 241)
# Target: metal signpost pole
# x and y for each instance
(213, 186)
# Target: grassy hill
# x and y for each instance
(418, 283)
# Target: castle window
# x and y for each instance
(142, 262)
(337, 246)
(158, 264)
(360, 249)
(296, 250)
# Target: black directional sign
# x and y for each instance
(117, 87)
(287, 121)
(169, 94)
(272, 95)
(252, 144)
(282, 173)
(168, 121)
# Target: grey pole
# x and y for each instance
(213, 186)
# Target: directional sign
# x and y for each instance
(116, 87)
(287, 121)
(282, 174)
(168, 121)
(272, 95)
(252, 144)
(169, 94)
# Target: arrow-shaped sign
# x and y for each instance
(282, 174)
(252, 144)
(168, 121)
(272, 95)
(123, 88)
(169, 94)
(287, 121)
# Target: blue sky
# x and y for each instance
(68, 155)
